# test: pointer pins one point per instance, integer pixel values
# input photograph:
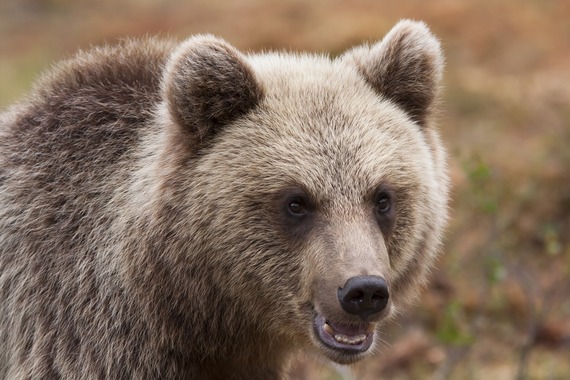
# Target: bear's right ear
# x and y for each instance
(207, 84)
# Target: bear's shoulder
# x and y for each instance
(125, 75)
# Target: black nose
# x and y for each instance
(364, 295)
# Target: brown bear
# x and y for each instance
(186, 211)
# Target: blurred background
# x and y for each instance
(498, 306)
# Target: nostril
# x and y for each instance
(377, 296)
(364, 295)
(356, 296)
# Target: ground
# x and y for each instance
(497, 306)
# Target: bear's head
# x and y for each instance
(312, 191)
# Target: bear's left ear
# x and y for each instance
(208, 84)
(405, 67)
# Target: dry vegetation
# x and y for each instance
(499, 304)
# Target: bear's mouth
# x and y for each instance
(350, 339)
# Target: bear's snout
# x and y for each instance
(346, 325)
(364, 296)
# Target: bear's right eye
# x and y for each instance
(296, 213)
(297, 207)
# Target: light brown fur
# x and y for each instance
(144, 190)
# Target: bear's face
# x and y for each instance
(317, 184)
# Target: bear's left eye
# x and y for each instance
(384, 209)
(383, 203)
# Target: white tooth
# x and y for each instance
(328, 329)
(348, 340)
